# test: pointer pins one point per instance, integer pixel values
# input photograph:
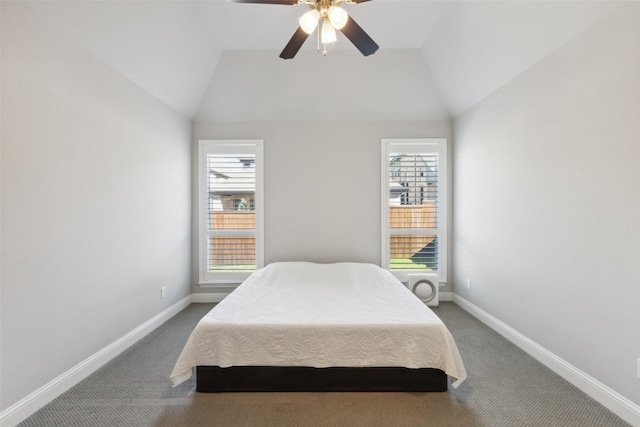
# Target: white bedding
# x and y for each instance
(321, 315)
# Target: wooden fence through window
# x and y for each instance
(232, 250)
(240, 250)
(411, 217)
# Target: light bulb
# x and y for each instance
(328, 34)
(309, 21)
(338, 17)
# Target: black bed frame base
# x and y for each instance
(214, 379)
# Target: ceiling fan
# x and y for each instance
(331, 16)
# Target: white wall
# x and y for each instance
(322, 184)
(392, 85)
(95, 205)
(547, 202)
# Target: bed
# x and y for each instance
(300, 326)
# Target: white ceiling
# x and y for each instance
(478, 46)
(173, 49)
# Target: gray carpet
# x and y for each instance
(506, 387)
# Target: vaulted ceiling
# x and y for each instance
(214, 60)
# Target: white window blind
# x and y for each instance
(231, 210)
(413, 206)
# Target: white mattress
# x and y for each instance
(321, 315)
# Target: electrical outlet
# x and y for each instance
(469, 284)
(163, 292)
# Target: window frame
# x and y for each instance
(415, 145)
(206, 146)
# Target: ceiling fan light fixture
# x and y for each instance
(332, 16)
(328, 34)
(309, 21)
(338, 17)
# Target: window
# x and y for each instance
(414, 206)
(230, 201)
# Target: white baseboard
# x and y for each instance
(25, 407)
(610, 399)
(208, 297)
(445, 296)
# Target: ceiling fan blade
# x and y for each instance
(358, 1)
(359, 38)
(287, 2)
(294, 44)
